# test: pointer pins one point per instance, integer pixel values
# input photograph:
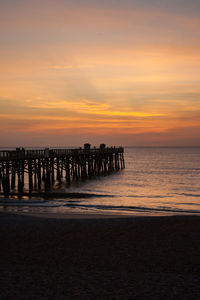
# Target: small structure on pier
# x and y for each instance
(102, 146)
(41, 168)
(87, 146)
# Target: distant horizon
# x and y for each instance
(92, 146)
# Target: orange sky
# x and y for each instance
(119, 72)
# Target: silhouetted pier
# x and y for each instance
(43, 167)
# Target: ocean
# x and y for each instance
(156, 181)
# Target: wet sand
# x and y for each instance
(99, 258)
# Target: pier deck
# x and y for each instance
(41, 168)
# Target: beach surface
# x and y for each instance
(99, 257)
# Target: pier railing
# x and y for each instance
(44, 153)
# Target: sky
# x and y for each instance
(120, 72)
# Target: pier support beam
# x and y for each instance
(30, 179)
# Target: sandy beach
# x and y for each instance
(99, 258)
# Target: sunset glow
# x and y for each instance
(120, 72)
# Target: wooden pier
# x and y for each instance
(44, 167)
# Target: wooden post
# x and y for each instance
(22, 175)
(19, 176)
(35, 175)
(89, 166)
(123, 160)
(0, 177)
(30, 175)
(79, 168)
(48, 177)
(105, 165)
(8, 176)
(76, 170)
(43, 170)
(61, 170)
(58, 171)
(13, 176)
(39, 174)
(52, 171)
(118, 161)
(5, 187)
(67, 169)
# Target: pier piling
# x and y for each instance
(42, 168)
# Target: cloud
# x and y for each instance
(91, 107)
(68, 67)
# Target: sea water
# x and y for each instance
(156, 181)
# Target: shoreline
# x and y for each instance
(68, 216)
(95, 215)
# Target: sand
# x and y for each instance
(99, 258)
